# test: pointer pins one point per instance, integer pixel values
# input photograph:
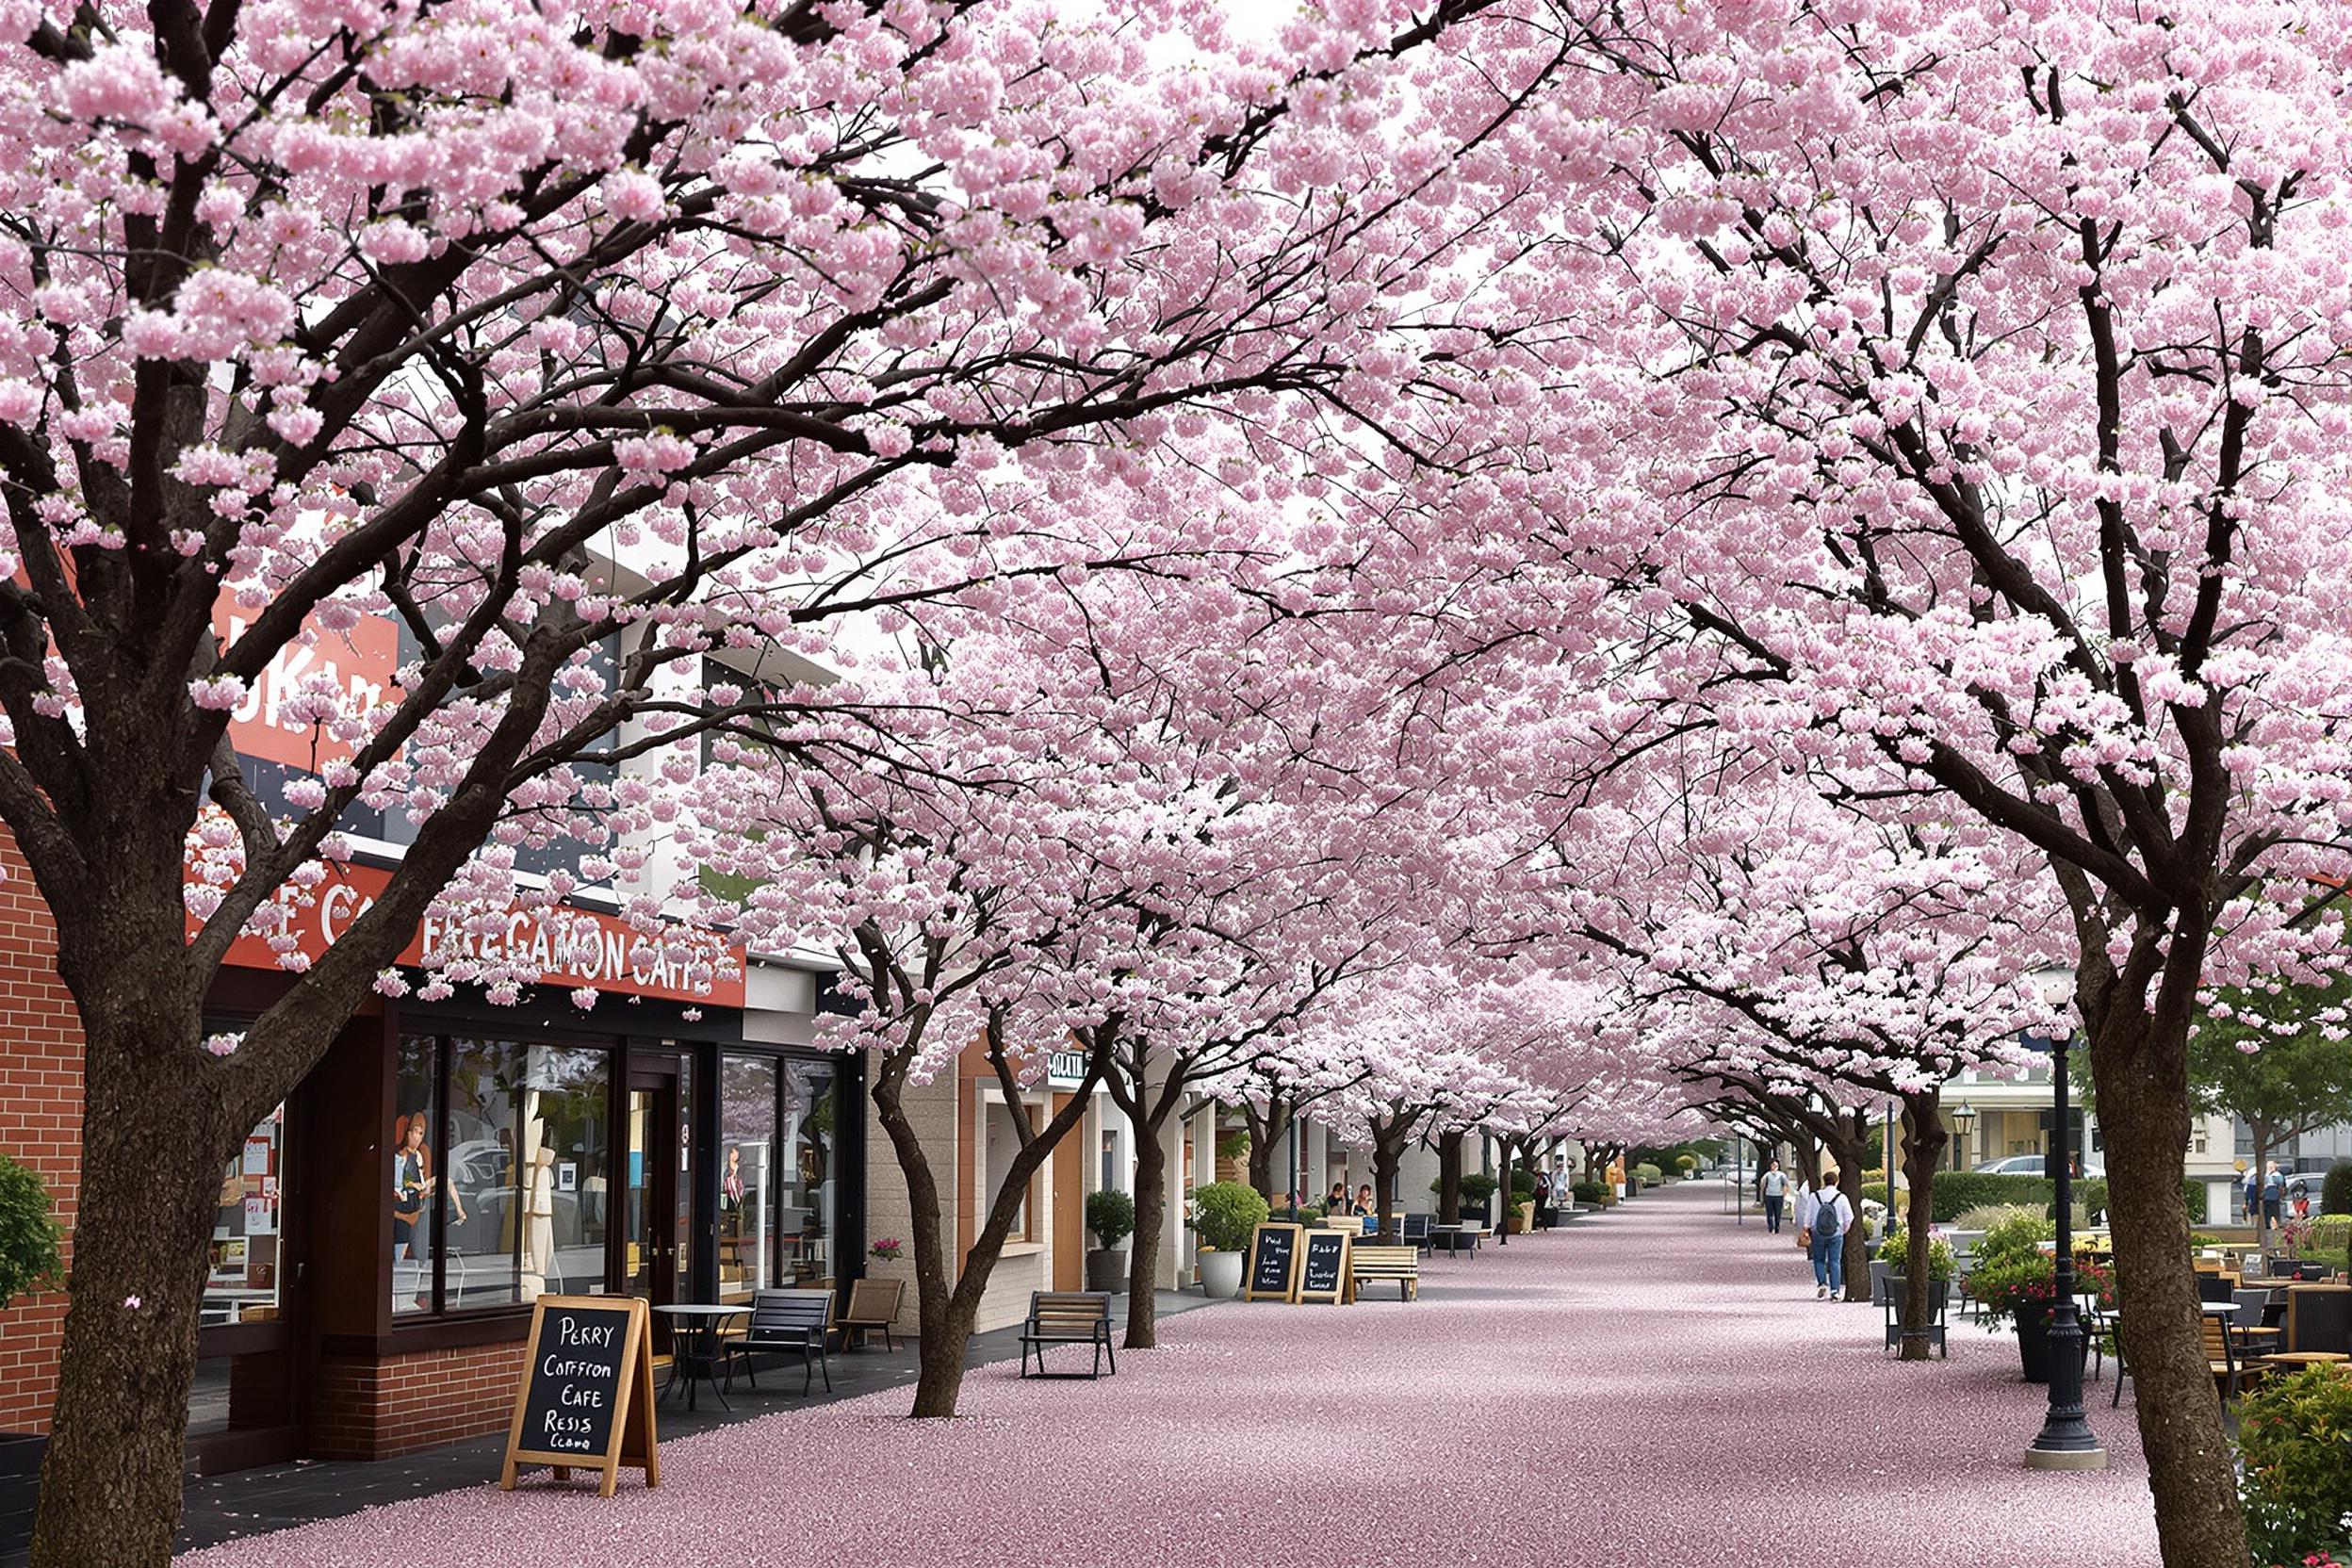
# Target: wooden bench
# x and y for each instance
(785, 1322)
(1401, 1264)
(1068, 1318)
(872, 1304)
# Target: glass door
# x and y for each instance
(657, 1194)
(242, 1405)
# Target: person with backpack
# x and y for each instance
(1774, 1186)
(2274, 1195)
(2254, 1198)
(1821, 1221)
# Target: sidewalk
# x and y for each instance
(1655, 1384)
(228, 1508)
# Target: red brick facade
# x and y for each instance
(365, 1409)
(40, 1122)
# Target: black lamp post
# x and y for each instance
(1964, 1123)
(2065, 1440)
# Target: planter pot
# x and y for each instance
(19, 1488)
(2033, 1341)
(1106, 1268)
(1220, 1274)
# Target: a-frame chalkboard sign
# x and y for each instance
(586, 1399)
(1323, 1272)
(1273, 1264)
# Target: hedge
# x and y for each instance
(1957, 1191)
(2335, 1191)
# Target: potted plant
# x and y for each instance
(29, 1261)
(1476, 1187)
(1224, 1214)
(1111, 1215)
(1894, 1257)
(2021, 1289)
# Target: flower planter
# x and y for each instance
(2034, 1340)
(1220, 1274)
(1106, 1268)
(19, 1488)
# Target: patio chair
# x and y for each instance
(1417, 1232)
(1890, 1303)
(872, 1304)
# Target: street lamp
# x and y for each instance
(2065, 1440)
(1964, 1123)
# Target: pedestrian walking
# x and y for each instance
(2274, 1195)
(1773, 1184)
(1821, 1221)
(2254, 1198)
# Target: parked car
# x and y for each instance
(2031, 1165)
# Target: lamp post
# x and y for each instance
(1964, 1123)
(2065, 1440)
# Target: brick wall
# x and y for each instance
(40, 1122)
(366, 1409)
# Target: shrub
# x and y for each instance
(1226, 1212)
(2335, 1189)
(2331, 1232)
(1989, 1215)
(1476, 1187)
(1522, 1184)
(1111, 1215)
(1874, 1192)
(1896, 1249)
(2297, 1489)
(1590, 1192)
(1686, 1162)
(1649, 1174)
(2019, 1279)
(1958, 1190)
(1233, 1144)
(2018, 1234)
(28, 1233)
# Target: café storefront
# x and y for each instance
(382, 1237)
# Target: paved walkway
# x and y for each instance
(1653, 1385)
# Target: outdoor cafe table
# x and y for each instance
(694, 1329)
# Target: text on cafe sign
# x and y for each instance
(568, 948)
(1065, 1070)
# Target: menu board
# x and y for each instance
(1273, 1264)
(1323, 1269)
(586, 1398)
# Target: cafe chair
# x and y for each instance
(785, 1323)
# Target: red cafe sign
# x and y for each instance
(570, 948)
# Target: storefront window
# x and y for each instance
(243, 1284)
(515, 1207)
(809, 1178)
(412, 1175)
(747, 1147)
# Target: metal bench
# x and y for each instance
(1068, 1318)
(785, 1322)
(1401, 1264)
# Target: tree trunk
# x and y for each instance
(2140, 1068)
(943, 1332)
(1502, 1220)
(1267, 1132)
(1143, 1264)
(151, 1166)
(1388, 1151)
(1923, 1140)
(1450, 1178)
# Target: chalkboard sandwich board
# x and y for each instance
(1273, 1263)
(586, 1399)
(1323, 1268)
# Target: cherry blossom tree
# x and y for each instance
(1969, 379)
(562, 353)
